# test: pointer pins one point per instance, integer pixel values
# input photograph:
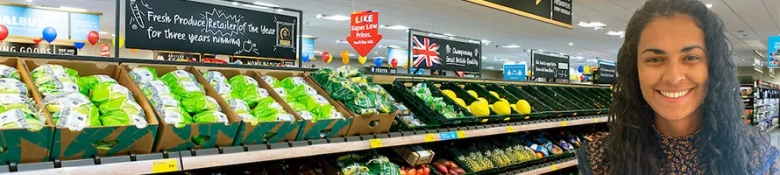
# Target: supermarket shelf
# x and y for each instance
(136, 167)
(551, 168)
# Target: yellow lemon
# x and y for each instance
(473, 93)
(479, 109)
(482, 99)
(523, 107)
(494, 94)
(460, 102)
(502, 99)
(449, 93)
(502, 108)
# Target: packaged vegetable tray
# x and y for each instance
(27, 141)
(263, 122)
(118, 130)
(214, 125)
(437, 107)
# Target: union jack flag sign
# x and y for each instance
(425, 52)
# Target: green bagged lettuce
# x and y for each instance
(186, 89)
(122, 118)
(52, 70)
(76, 118)
(243, 80)
(270, 79)
(162, 101)
(108, 91)
(143, 74)
(14, 101)
(12, 86)
(55, 103)
(242, 110)
(19, 118)
(178, 76)
(87, 83)
(351, 87)
(154, 88)
(268, 110)
(53, 85)
(9, 72)
(127, 106)
(199, 103)
(219, 82)
(246, 88)
(174, 115)
(210, 116)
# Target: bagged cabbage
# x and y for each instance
(210, 116)
(12, 86)
(267, 109)
(174, 115)
(243, 80)
(162, 101)
(154, 88)
(121, 118)
(214, 77)
(14, 101)
(53, 85)
(18, 118)
(127, 106)
(55, 103)
(76, 118)
(88, 82)
(186, 89)
(199, 103)
(105, 92)
(270, 79)
(242, 110)
(143, 74)
(9, 72)
(178, 76)
(52, 70)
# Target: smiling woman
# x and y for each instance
(676, 106)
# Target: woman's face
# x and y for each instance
(672, 65)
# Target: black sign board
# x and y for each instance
(37, 48)
(380, 69)
(558, 12)
(261, 62)
(607, 72)
(186, 26)
(546, 66)
(443, 54)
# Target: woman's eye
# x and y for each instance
(653, 60)
(691, 57)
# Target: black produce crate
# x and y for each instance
(561, 109)
(399, 125)
(536, 112)
(493, 117)
(598, 100)
(537, 104)
(586, 107)
(404, 90)
(467, 98)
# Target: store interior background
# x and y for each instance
(507, 38)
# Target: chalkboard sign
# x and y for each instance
(546, 66)
(186, 26)
(607, 72)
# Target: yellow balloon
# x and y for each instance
(362, 60)
(121, 41)
(586, 70)
(330, 58)
(345, 57)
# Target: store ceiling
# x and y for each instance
(748, 23)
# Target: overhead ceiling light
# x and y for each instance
(394, 27)
(490, 67)
(73, 9)
(29, 0)
(235, 3)
(578, 57)
(513, 46)
(265, 4)
(447, 34)
(317, 52)
(279, 10)
(352, 54)
(484, 57)
(333, 17)
(593, 60)
(591, 24)
(616, 33)
(307, 36)
(708, 5)
(254, 6)
(103, 32)
(486, 41)
(474, 41)
(523, 62)
(571, 44)
(541, 50)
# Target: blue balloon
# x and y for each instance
(378, 61)
(580, 68)
(305, 57)
(78, 45)
(49, 34)
(587, 77)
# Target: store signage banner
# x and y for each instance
(557, 12)
(515, 72)
(546, 66)
(757, 66)
(443, 54)
(82, 24)
(37, 48)
(774, 52)
(30, 22)
(177, 25)
(364, 31)
(105, 50)
(401, 55)
(307, 46)
(607, 72)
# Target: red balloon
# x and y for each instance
(582, 77)
(93, 37)
(394, 62)
(3, 32)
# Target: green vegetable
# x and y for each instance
(20, 118)
(121, 118)
(186, 89)
(154, 88)
(267, 109)
(9, 72)
(174, 115)
(55, 103)
(210, 116)
(108, 91)
(12, 86)
(127, 106)
(88, 82)
(178, 76)
(242, 110)
(143, 74)
(162, 101)
(52, 70)
(422, 91)
(76, 118)
(199, 103)
(270, 79)
(53, 85)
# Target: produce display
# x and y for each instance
(356, 90)
(422, 91)
(17, 110)
(79, 102)
(178, 97)
(447, 167)
(304, 99)
(356, 164)
(251, 103)
(415, 170)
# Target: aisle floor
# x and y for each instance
(774, 138)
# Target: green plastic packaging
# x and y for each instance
(154, 88)
(186, 89)
(9, 72)
(210, 116)
(143, 74)
(242, 110)
(267, 109)
(178, 76)
(53, 85)
(108, 91)
(88, 83)
(12, 86)
(19, 118)
(127, 106)
(121, 118)
(199, 103)
(53, 70)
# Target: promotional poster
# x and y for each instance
(442, 54)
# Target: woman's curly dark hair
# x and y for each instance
(632, 146)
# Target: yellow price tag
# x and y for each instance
(554, 167)
(563, 123)
(461, 134)
(165, 165)
(484, 120)
(510, 129)
(430, 138)
(596, 120)
(375, 143)
(506, 119)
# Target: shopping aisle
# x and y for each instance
(774, 139)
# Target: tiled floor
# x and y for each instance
(774, 138)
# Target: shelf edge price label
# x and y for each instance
(165, 165)
(448, 135)
(484, 120)
(430, 138)
(461, 134)
(510, 129)
(375, 143)
(596, 120)
(563, 123)
(554, 167)
(506, 119)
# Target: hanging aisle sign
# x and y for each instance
(443, 54)
(607, 72)
(515, 72)
(556, 12)
(773, 47)
(30, 21)
(364, 31)
(186, 26)
(546, 66)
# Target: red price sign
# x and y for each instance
(364, 31)
(105, 50)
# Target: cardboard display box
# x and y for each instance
(171, 138)
(271, 132)
(21, 145)
(415, 154)
(77, 145)
(361, 124)
(327, 128)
